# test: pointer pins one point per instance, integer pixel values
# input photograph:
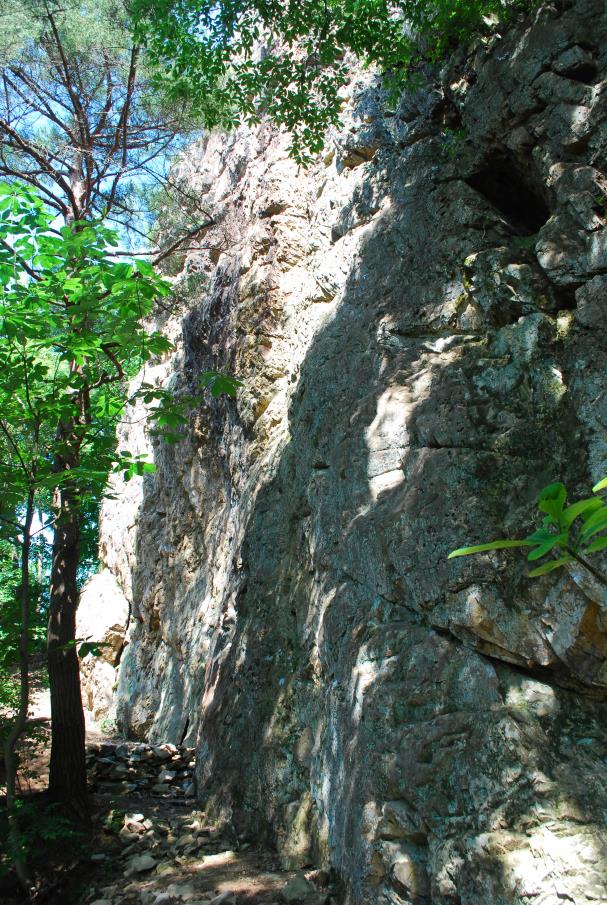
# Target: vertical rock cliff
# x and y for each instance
(419, 321)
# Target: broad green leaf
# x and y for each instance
(552, 499)
(220, 383)
(596, 523)
(602, 484)
(92, 647)
(142, 468)
(494, 545)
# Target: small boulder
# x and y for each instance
(140, 864)
(222, 897)
(183, 841)
(134, 818)
(161, 752)
(165, 867)
(299, 890)
(182, 891)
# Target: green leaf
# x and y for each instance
(542, 534)
(596, 523)
(220, 383)
(552, 499)
(142, 468)
(557, 540)
(494, 545)
(572, 512)
(549, 566)
(599, 544)
(602, 484)
(92, 647)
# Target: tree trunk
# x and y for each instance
(67, 773)
(10, 742)
(67, 780)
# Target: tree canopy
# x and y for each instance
(79, 120)
(239, 59)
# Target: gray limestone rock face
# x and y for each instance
(418, 320)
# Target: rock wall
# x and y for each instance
(419, 322)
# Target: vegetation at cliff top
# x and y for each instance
(240, 59)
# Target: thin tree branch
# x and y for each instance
(7, 521)
(44, 527)
(9, 437)
(120, 139)
(51, 199)
(68, 81)
(35, 154)
(175, 245)
(105, 112)
(34, 88)
(107, 349)
(42, 90)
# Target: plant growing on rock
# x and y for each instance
(567, 533)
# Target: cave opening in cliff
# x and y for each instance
(501, 182)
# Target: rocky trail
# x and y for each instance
(153, 845)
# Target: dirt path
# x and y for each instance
(175, 857)
(33, 776)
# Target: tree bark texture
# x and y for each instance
(67, 778)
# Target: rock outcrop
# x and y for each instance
(102, 620)
(419, 322)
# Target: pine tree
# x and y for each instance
(79, 124)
